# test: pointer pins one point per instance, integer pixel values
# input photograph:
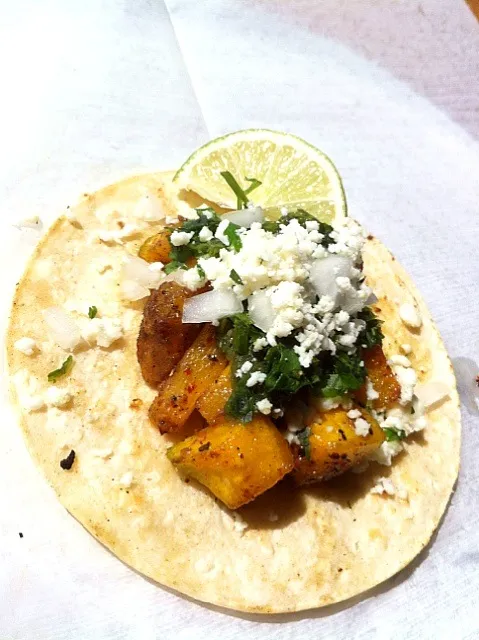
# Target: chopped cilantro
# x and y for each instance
(235, 277)
(201, 271)
(231, 232)
(241, 194)
(346, 374)
(92, 311)
(61, 371)
(372, 334)
(303, 437)
(394, 435)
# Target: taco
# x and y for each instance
(250, 406)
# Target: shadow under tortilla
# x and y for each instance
(466, 371)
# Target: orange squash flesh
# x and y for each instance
(211, 404)
(177, 396)
(335, 446)
(382, 378)
(236, 461)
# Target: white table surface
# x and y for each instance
(94, 90)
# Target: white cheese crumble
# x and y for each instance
(116, 236)
(220, 232)
(264, 406)
(102, 331)
(384, 485)
(32, 402)
(386, 452)
(402, 361)
(257, 377)
(361, 427)
(407, 379)
(126, 480)
(245, 368)
(406, 349)
(57, 396)
(353, 414)
(192, 279)
(32, 222)
(259, 344)
(180, 238)
(371, 393)
(205, 234)
(25, 345)
(410, 316)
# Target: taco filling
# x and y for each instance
(276, 344)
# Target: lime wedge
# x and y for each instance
(293, 174)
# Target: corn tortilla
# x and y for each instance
(291, 549)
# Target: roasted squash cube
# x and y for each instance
(236, 461)
(156, 248)
(163, 338)
(334, 446)
(200, 366)
(211, 404)
(381, 377)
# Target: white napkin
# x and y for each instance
(99, 90)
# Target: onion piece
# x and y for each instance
(324, 272)
(210, 307)
(430, 394)
(149, 208)
(63, 328)
(146, 274)
(245, 217)
(133, 290)
(261, 311)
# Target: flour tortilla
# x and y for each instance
(290, 549)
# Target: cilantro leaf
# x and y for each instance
(231, 232)
(235, 277)
(303, 437)
(394, 435)
(61, 371)
(371, 334)
(346, 375)
(92, 311)
(254, 184)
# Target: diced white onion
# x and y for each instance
(324, 272)
(149, 208)
(430, 394)
(142, 272)
(261, 310)
(30, 223)
(210, 307)
(245, 217)
(63, 328)
(133, 290)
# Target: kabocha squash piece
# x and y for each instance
(163, 338)
(211, 404)
(334, 446)
(200, 366)
(237, 461)
(381, 377)
(156, 248)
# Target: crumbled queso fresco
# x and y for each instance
(281, 276)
